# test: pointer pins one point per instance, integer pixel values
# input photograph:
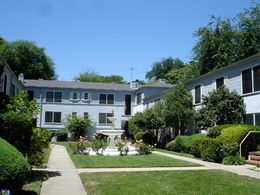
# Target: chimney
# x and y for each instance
(134, 84)
(21, 77)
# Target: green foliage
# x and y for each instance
(143, 149)
(214, 131)
(80, 146)
(98, 146)
(182, 75)
(40, 141)
(62, 135)
(178, 108)
(13, 167)
(172, 146)
(26, 57)
(139, 136)
(233, 160)
(77, 126)
(90, 76)
(224, 41)
(122, 148)
(232, 135)
(16, 128)
(161, 68)
(136, 123)
(211, 150)
(220, 107)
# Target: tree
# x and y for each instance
(220, 107)
(77, 126)
(136, 123)
(178, 109)
(224, 41)
(27, 58)
(161, 68)
(182, 75)
(90, 76)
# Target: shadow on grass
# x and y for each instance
(38, 176)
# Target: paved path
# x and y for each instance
(64, 179)
(240, 170)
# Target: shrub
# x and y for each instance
(79, 147)
(122, 148)
(149, 138)
(143, 149)
(17, 129)
(232, 135)
(195, 143)
(171, 146)
(139, 136)
(40, 141)
(214, 132)
(77, 126)
(210, 149)
(98, 146)
(13, 168)
(61, 135)
(233, 160)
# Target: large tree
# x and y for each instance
(224, 41)
(90, 76)
(161, 68)
(182, 75)
(178, 109)
(220, 107)
(27, 58)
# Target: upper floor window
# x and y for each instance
(197, 94)
(106, 99)
(53, 117)
(86, 96)
(219, 82)
(139, 98)
(30, 94)
(251, 80)
(53, 96)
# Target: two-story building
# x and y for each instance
(97, 101)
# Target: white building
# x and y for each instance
(59, 99)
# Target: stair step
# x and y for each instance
(254, 157)
(256, 153)
(252, 162)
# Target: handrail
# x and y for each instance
(240, 146)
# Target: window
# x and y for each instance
(85, 96)
(53, 96)
(257, 119)
(256, 78)
(247, 81)
(30, 94)
(74, 96)
(251, 84)
(5, 84)
(103, 118)
(106, 99)
(85, 114)
(127, 104)
(139, 98)
(53, 117)
(249, 119)
(74, 113)
(12, 89)
(197, 94)
(219, 82)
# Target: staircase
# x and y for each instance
(253, 158)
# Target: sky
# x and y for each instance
(111, 36)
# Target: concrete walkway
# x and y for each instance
(64, 179)
(240, 170)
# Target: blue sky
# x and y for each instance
(111, 36)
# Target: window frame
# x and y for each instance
(107, 121)
(139, 98)
(106, 100)
(53, 96)
(53, 113)
(253, 80)
(195, 96)
(222, 82)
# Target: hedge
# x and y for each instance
(13, 168)
(210, 149)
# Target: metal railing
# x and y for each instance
(240, 146)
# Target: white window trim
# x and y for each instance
(253, 82)
(53, 123)
(107, 98)
(53, 96)
(71, 96)
(83, 97)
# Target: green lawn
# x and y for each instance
(170, 182)
(153, 160)
(176, 153)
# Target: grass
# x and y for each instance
(153, 160)
(34, 183)
(176, 153)
(170, 182)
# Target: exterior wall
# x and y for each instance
(233, 81)
(11, 79)
(92, 107)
